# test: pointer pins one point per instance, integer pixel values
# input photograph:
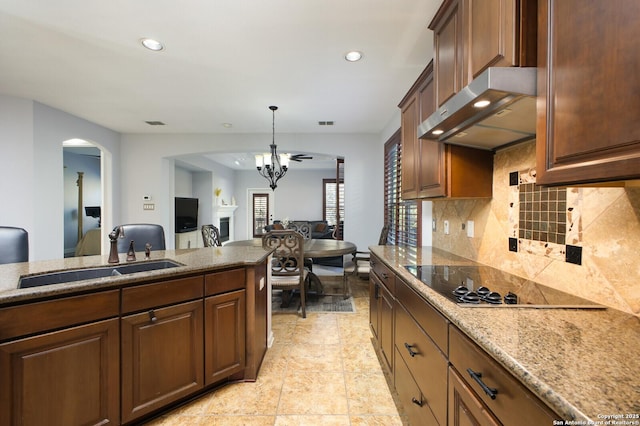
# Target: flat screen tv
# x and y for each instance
(186, 210)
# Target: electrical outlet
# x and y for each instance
(446, 227)
(470, 229)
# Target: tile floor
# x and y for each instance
(322, 370)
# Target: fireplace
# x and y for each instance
(224, 229)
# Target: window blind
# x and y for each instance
(402, 216)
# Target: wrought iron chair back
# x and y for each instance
(210, 236)
(287, 267)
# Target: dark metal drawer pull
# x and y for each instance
(410, 349)
(491, 392)
(416, 401)
(385, 276)
(152, 316)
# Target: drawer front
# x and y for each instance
(425, 362)
(513, 403)
(224, 281)
(411, 398)
(387, 277)
(21, 320)
(161, 293)
(431, 321)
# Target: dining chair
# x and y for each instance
(14, 245)
(303, 228)
(359, 264)
(141, 234)
(287, 266)
(210, 236)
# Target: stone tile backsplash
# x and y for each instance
(599, 228)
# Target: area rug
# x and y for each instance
(315, 303)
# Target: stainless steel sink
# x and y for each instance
(92, 273)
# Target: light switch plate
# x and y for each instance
(446, 227)
(470, 229)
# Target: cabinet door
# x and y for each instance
(415, 406)
(386, 326)
(464, 407)
(588, 91)
(67, 377)
(491, 34)
(162, 357)
(448, 38)
(431, 161)
(410, 151)
(374, 306)
(224, 335)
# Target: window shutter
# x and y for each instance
(404, 217)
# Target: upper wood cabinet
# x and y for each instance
(433, 169)
(448, 50)
(472, 35)
(588, 91)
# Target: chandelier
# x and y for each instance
(272, 166)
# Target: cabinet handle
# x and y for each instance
(377, 292)
(385, 276)
(418, 402)
(491, 392)
(152, 316)
(410, 350)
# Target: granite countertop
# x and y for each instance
(583, 363)
(194, 261)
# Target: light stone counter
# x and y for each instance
(583, 363)
(195, 261)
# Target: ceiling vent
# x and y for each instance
(325, 123)
(155, 123)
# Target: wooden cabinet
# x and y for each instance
(588, 91)
(162, 344)
(119, 355)
(382, 288)
(464, 406)
(225, 325)
(499, 33)
(433, 169)
(472, 35)
(63, 377)
(440, 375)
(501, 394)
(411, 398)
(448, 50)
(424, 360)
(162, 357)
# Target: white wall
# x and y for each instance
(143, 157)
(31, 136)
(17, 164)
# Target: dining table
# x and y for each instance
(313, 248)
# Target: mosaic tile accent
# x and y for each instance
(544, 220)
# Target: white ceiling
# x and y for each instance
(225, 61)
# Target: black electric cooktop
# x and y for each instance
(484, 286)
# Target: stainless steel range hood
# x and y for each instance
(509, 117)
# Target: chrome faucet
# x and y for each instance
(117, 232)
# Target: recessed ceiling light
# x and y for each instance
(353, 56)
(437, 132)
(481, 104)
(152, 44)
(227, 125)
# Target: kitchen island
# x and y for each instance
(581, 363)
(117, 349)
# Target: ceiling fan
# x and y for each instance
(299, 157)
